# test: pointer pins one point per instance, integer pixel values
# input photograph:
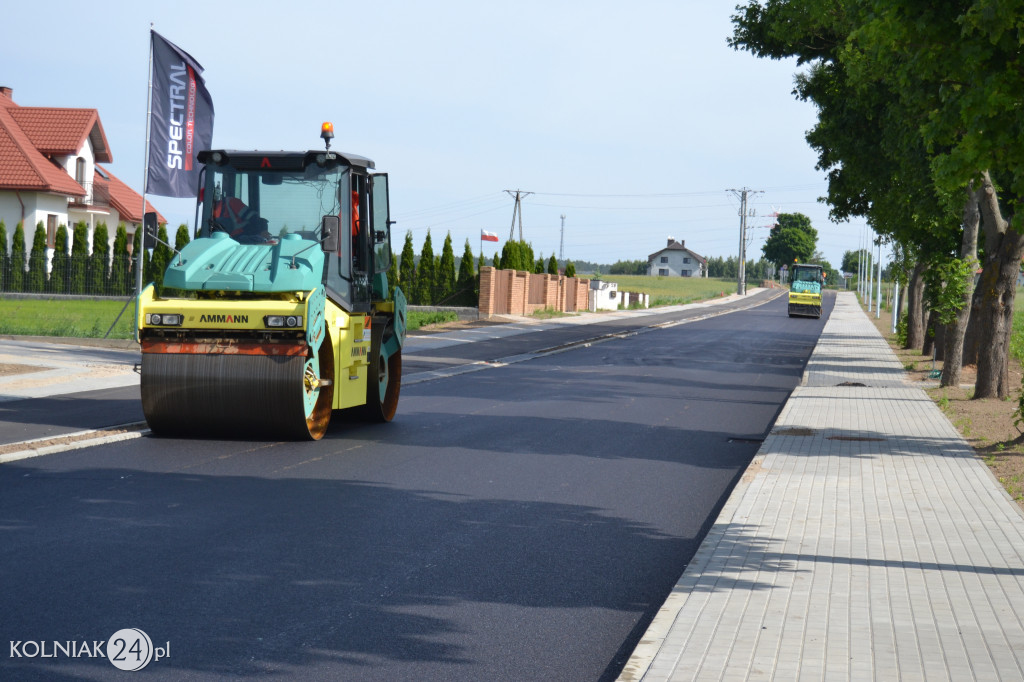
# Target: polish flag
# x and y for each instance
(488, 236)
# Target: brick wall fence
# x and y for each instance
(512, 292)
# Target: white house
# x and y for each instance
(50, 173)
(675, 260)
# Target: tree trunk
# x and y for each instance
(954, 342)
(928, 346)
(903, 303)
(1004, 247)
(999, 284)
(915, 308)
(939, 339)
(972, 339)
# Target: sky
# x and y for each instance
(633, 120)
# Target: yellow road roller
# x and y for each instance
(281, 312)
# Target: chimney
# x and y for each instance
(682, 243)
(6, 92)
(671, 241)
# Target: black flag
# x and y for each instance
(181, 122)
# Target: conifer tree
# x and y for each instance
(120, 264)
(99, 262)
(181, 237)
(570, 269)
(465, 284)
(161, 257)
(407, 268)
(392, 275)
(552, 265)
(425, 275)
(60, 266)
(509, 255)
(445, 277)
(18, 259)
(147, 275)
(37, 261)
(4, 259)
(79, 258)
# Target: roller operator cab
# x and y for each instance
(805, 290)
(281, 312)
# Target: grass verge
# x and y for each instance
(90, 319)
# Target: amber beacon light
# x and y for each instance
(327, 133)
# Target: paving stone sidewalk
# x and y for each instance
(865, 542)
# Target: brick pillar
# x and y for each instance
(486, 302)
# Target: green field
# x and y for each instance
(91, 319)
(674, 290)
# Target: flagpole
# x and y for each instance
(145, 187)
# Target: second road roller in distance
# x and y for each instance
(282, 312)
(805, 290)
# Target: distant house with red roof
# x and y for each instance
(50, 172)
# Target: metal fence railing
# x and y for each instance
(68, 275)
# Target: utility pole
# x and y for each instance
(878, 299)
(561, 242)
(741, 279)
(860, 265)
(517, 209)
(871, 274)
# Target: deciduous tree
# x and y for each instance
(792, 240)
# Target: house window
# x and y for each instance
(684, 273)
(51, 230)
(663, 272)
(664, 259)
(686, 260)
(80, 170)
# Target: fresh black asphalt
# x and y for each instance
(523, 522)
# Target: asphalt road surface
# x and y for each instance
(523, 522)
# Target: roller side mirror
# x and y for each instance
(329, 229)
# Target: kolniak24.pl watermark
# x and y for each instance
(127, 649)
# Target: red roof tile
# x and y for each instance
(126, 200)
(62, 131)
(23, 167)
